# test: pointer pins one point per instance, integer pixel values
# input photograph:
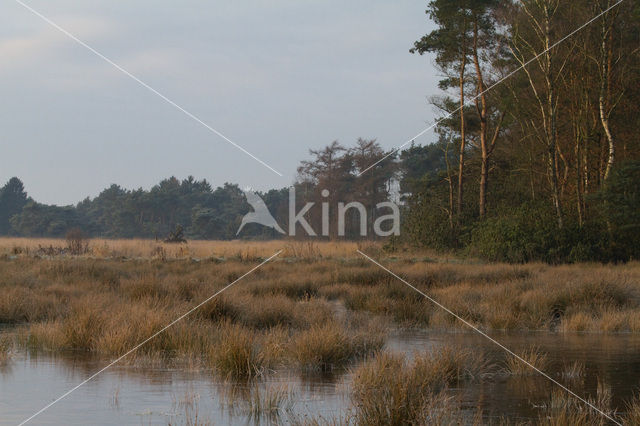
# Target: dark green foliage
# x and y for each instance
(420, 161)
(12, 199)
(39, 220)
(203, 212)
(426, 222)
(529, 233)
(619, 204)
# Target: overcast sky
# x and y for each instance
(277, 77)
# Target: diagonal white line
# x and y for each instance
(477, 330)
(571, 34)
(142, 83)
(145, 341)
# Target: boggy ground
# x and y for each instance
(318, 307)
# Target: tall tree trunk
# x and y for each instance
(463, 133)
(482, 112)
(605, 88)
(552, 117)
(484, 171)
(547, 103)
(450, 181)
(579, 196)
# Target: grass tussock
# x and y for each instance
(533, 359)
(236, 354)
(391, 390)
(329, 346)
(632, 412)
(188, 405)
(564, 409)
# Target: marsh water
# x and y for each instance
(130, 395)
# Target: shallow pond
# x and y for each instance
(127, 395)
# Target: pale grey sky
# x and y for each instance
(278, 77)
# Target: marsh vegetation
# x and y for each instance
(317, 310)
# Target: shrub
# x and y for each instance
(619, 206)
(388, 390)
(530, 233)
(77, 241)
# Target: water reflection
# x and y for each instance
(127, 394)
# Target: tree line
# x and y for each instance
(204, 212)
(542, 163)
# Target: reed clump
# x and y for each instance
(236, 353)
(632, 412)
(564, 409)
(389, 389)
(330, 346)
(533, 359)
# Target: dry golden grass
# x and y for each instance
(632, 415)
(107, 306)
(596, 298)
(329, 346)
(318, 306)
(139, 248)
(533, 358)
(563, 409)
(299, 307)
(237, 353)
(390, 390)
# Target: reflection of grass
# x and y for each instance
(533, 357)
(564, 409)
(188, 406)
(5, 349)
(257, 401)
(270, 402)
(573, 371)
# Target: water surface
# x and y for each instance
(129, 395)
